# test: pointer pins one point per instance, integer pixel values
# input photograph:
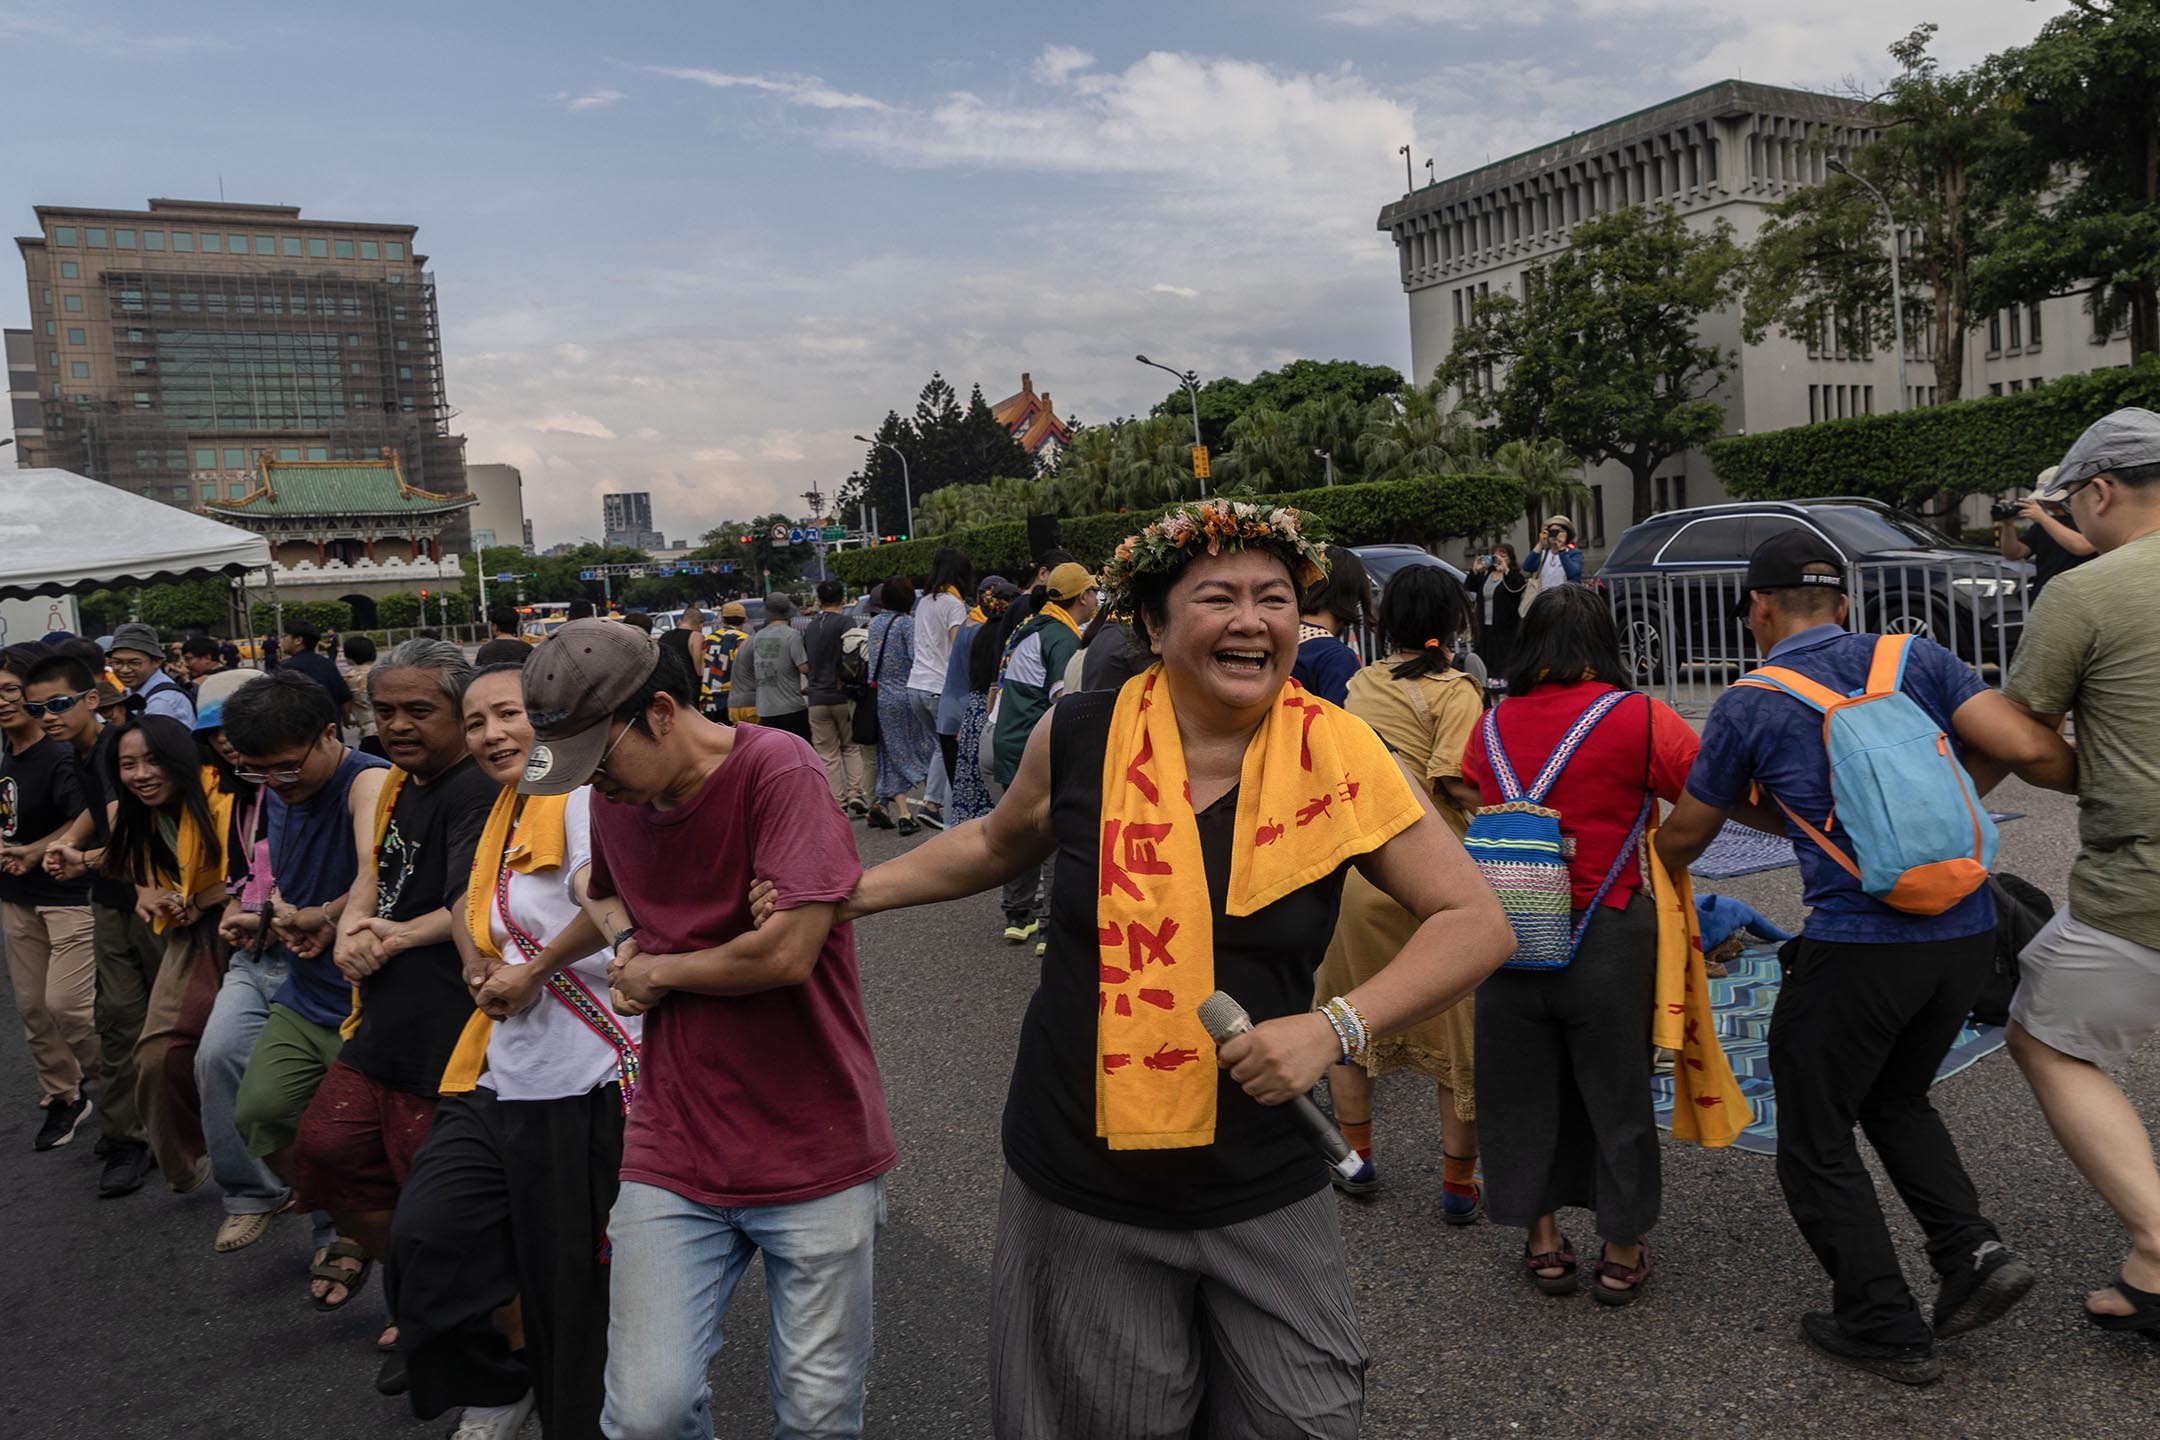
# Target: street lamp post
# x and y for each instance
(1329, 461)
(907, 492)
(1190, 380)
(1897, 286)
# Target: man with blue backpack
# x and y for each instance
(1864, 743)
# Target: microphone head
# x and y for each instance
(1222, 1017)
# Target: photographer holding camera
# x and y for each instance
(2051, 541)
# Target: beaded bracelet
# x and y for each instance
(1341, 1029)
(1350, 1028)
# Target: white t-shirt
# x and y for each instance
(935, 617)
(545, 1052)
(1552, 574)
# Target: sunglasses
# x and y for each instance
(57, 705)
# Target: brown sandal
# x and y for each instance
(1562, 1260)
(1630, 1280)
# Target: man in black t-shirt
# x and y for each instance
(505, 646)
(51, 956)
(298, 654)
(374, 1106)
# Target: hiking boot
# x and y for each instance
(62, 1119)
(1906, 1364)
(1984, 1286)
(127, 1165)
(1020, 928)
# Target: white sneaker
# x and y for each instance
(495, 1422)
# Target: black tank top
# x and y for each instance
(1260, 1160)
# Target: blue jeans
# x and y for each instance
(243, 1003)
(937, 786)
(676, 1264)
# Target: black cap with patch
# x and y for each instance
(1780, 563)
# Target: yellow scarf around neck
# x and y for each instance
(1317, 788)
(541, 841)
(1051, 610)
(201, 861)
(1708, 1106)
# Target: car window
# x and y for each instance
(1721, 540)
(1640, 543)
(1762, 527)
(1864, 528)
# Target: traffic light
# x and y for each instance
(745, 539)
(423, 594)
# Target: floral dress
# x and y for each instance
(904, 746)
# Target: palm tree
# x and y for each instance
(1080, 481)
(1333, 423)
(1269, 452)
(1551, 476)
(1153, 465)
(1418, 431)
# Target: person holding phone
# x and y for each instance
(1498, 582)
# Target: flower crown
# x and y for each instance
(1213, 526)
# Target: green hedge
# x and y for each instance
(1969, 447)
(1418, 512)
(322, 614)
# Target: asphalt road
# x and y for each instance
(119, 1321)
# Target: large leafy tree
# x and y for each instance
(1820, 268)
(1268, 452)
(2089, 217)
(1418, 430)
(1603, 352)
(1551, 477)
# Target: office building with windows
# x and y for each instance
(626, 519)
(179, 346)
(1729, 151)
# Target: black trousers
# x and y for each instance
(795, 722)
(509, 1199)
(1856, 1038)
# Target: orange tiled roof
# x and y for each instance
(1030, 418)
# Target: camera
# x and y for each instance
(2004, 510)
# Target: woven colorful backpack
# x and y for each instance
(1519, 847)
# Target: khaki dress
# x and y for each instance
(1426, 722)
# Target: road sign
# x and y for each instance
(587, 575)
(637, 572)
(726, 567)
(833, 532)
(1199, 462)
(779, 534)
(505, 578)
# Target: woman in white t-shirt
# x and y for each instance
(939, 614)
(498, 1251)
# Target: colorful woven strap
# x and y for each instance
(1570, 742)
(574, 995)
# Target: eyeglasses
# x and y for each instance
(57, 705)
(278, 777)
(600, 765)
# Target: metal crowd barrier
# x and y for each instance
(1680, 639)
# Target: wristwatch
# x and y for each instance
(615, 941)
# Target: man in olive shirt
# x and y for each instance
(2090, 989)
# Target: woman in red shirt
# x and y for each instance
(1563, 1056)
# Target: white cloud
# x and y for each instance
(1059, 63)
(573, 422)
(804, 90)
(1181, 291)
(591, 100)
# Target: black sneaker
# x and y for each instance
(1981, 1289)
(62, 1119)
(931, 819)
(1906, 1364)
(127, 1165)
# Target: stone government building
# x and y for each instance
(1727, 151)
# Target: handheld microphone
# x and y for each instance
(1223, 1018)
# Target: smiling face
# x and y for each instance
(12, 715)
(1228, 629)
(140, 772)
(497, 734)
(132, 667)
(418, 723)
(79, 725)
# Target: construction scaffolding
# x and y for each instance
(214, 369)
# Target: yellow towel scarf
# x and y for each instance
(1708, 1107)
(202, 861)
(541, 838)
(1318, 788)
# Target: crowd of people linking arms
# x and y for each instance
(552, 1012)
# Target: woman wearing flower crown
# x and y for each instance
(1166, 1241)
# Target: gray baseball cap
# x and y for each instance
(575, 681)
(2128, 437)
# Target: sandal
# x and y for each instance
(237, 1232)
(1562, 1260)
(1631, 1280)
(354, 1281)
(2144, 1316)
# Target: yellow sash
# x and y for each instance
(202, 863)
(1708, 1107)
(1317, 788)
(541, 840)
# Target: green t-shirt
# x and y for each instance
(1033, 678)
(2092, 647)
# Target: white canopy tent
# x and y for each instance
(63, 533)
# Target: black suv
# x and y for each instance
(1674, 578)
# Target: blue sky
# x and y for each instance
(691, 248)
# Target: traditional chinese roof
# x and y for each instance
(291, 488)
(1029, 418)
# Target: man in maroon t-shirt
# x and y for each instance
(761, 1123)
